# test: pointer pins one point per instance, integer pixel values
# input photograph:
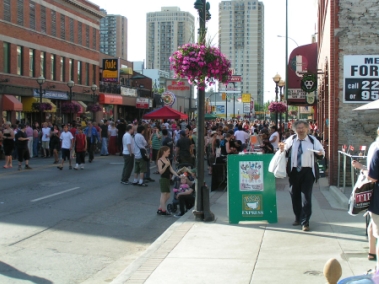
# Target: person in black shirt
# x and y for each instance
(104, 138)
(183, 149)
(22, 148)
(167, 141)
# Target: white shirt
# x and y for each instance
(127, 140)
(66, 138)
(46, 133)
(241, 135)
(139, 142)
(276, 143)
(307, 158)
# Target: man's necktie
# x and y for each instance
(299, 153)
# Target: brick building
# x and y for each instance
(347, 52)
(56, 39)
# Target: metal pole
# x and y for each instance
(202, 211)
(276, 100)
(40, 101)
(286, 86)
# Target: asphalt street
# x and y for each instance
(74, 226)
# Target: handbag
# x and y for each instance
(143, 151)
(361, 195)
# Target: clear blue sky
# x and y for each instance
(301, 26)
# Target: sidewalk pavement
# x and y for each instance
(256, 252)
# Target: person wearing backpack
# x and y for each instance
(302, 150)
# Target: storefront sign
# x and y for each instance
(55, 95)
(246, 98)
(128, 92)
(361, 78)
(235, 79)
(296, 94)
(246, 107)
(111, 70)
(178, 86)
(168, 98)
(142, 103)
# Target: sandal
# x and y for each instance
(371, 256)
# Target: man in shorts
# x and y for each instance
(46, 133)
(67, 141)
(22, 147)
(140, 165)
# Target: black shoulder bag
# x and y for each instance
(143, 151)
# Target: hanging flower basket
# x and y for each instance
(94, 108)
(70, 107)
(41, 106)
(201, 65)
(277, 107)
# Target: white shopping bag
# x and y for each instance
(278, 165)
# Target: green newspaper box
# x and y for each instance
(251, 189)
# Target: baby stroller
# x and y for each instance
(181, 187)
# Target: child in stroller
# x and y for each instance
(184, 189)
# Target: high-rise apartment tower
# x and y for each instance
(114, 36)
(165, 31)
(241, 39)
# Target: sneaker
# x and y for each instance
(70, 168)
(150, 179)
(179, 215)
(125, 182)
(27, 167)
(59, 167)
(142, 184)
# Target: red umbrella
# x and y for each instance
(165, 113)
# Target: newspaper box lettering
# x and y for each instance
(251, 175)
(252, 205)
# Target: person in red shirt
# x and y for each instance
(80, 148)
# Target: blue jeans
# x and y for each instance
(35, 147)
(104, 146)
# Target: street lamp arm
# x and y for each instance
(289, 38)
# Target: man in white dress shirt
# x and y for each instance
(302, 170)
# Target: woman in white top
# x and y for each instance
(274, 137)
(112, 133)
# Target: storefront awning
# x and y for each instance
(110, 99)
(84, 106)
(11, 103)
(28, 101)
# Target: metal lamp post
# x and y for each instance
(202, 207)
(70, 84)
(40, 80)
(276, 81)
(94, 96)
(281, 85)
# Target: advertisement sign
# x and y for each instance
(246, 107)
(361, 78)
(296, 94)
(111, 70)
(251, 189)
(235, 79)
(128, 92)
(220, 109)
(125, 70)
(55, 95)
(246, 98)
(168, 98)
(142, 103)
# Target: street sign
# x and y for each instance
(246, 107)
(246, 98)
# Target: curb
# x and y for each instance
(340, 198)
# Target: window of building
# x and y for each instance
(32, 15)
(87, 35)
(79, 72)
(43, 19)
(7, 10)
(63, 27)
(20, 12)
(52, 67)
(43, 64)
(71, 69)
(53, 23)
(62, 69)
(80, 36)
(93, 74)
(19, 60)
(31, 63)
(94, 38)
(6, 57)
(87, 74)
(71, 30)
